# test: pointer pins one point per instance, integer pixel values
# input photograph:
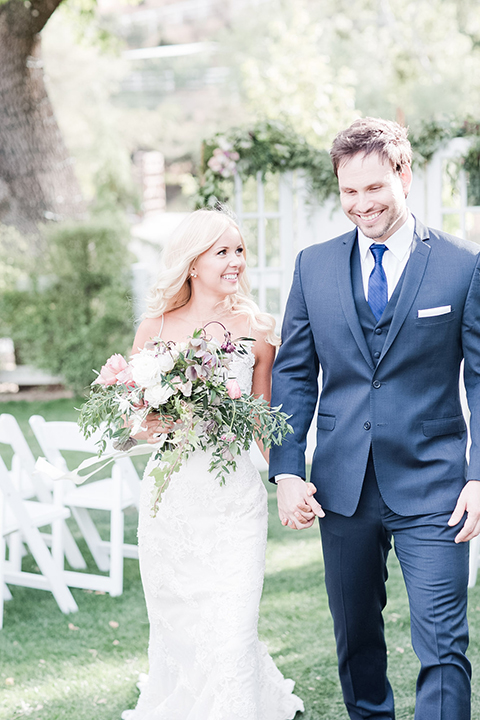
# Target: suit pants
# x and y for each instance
(435, 570)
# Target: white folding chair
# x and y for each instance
(113, 495)
(32, 485)
(26, 517)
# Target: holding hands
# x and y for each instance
(297, 507)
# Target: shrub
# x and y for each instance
(75, 309)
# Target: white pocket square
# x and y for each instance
(433, 312)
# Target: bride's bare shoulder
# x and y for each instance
(148, 329)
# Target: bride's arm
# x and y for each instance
(262, 375)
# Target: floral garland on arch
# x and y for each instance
(266, 147)
(274, 146)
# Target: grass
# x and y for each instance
(89, 670)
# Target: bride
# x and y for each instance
(202, 557)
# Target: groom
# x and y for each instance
(387, 311)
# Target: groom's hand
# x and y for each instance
(297, 507)
(468, 502)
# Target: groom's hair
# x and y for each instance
(373, 135)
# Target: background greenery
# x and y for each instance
(90, 670)
(314, 63)
(273, 146)
(69, 308)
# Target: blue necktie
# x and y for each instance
(377, 282)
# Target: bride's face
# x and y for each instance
(220, 268)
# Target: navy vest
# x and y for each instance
(375, 332)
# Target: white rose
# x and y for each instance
(146, 370)
(165, 362)
(158, 394)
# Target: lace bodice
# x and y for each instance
(241, 368)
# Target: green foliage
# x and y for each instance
(76, 309)
(14, 257)
(114, 185)
(268, 146)
(274, 147)
(432, 134)
(471, 165)
(286, 72)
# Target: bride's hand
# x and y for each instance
(297, 507)
(156, 425)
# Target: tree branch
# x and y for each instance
(26, 19)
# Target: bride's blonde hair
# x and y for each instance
(195, 235)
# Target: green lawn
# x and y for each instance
(89, 670)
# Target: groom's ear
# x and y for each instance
(406, 178)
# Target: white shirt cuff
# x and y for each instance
(281, 476)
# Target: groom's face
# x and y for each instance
(373, 195)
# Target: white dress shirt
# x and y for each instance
(400, 246)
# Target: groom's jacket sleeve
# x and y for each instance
(471, 352)
(295, 381)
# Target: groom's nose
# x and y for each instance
(363, 203)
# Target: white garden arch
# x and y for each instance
(278, 218)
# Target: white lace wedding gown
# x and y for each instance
(202, 562)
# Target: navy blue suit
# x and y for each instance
(390, 455)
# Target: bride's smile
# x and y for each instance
(219, 270)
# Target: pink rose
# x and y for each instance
(125, 377)
(109, 372)
(233, 389)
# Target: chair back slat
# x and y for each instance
(28, 482)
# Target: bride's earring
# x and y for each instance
(193, 274)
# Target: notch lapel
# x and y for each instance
(414, 273)
(344, 280)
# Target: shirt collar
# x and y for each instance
(399, 243)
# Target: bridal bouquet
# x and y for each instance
(188, 386)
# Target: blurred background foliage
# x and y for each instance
(316, 63)
(309, 66)
(69, 308)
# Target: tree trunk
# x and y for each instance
(37, 179)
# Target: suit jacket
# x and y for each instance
(405, 406)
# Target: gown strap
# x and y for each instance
(161, 327)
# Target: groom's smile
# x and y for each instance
(373, 195)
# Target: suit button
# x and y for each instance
(376, 354)
(378, 331)
(367, 425)
(376, 384)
